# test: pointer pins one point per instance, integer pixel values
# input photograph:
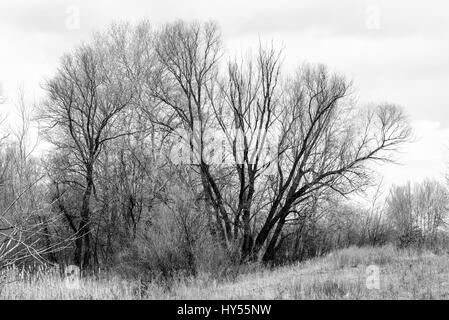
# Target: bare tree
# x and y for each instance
(246, 109)
(187, 57)
(323, 145)
(375, 226)
(85, 99)
(419, 212)
(319, 138)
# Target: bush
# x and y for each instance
(176, 244)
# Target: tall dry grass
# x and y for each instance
(404, 274)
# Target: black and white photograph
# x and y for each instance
(225, 151)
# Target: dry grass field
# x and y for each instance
(404, 274)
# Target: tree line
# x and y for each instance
(168, 154)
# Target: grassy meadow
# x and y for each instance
(404, 274)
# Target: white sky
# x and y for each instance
(395, 51)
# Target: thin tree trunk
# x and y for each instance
(83, 250)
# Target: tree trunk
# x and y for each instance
(248, 241)
(272, 245)
(247, 245)
(83, 250)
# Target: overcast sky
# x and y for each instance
(395, 51)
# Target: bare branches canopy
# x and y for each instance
(259, 146)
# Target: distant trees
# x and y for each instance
(25, 223)
(418, 212)
(330, 223)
